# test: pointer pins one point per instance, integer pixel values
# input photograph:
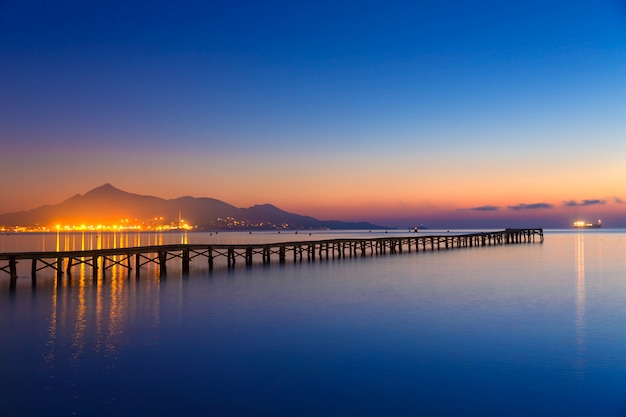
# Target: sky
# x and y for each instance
(446, 114)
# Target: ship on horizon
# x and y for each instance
(581, 224)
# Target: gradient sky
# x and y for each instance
(446, 113)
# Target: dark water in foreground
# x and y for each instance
(519, 330)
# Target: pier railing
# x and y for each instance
(249, 254)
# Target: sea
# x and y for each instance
(531, 329)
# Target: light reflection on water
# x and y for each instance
(509, 330)
(85, 240)
(580, 301)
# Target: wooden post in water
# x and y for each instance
(210, 257)
(94, 267)
(186, 260)
(137, 264)
(162, 262)
(266, 255)
(231, 257)
(33, 272)
(59, 269)
(249, 256)
(13, 272)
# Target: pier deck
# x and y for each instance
(249, 254)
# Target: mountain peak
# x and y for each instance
(105, 190)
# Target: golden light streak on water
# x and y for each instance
(80, 323)
(580, 303)
(99, 314)
(52, 330)
(154, 291)
(116, 310)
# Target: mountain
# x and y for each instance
(108, 205)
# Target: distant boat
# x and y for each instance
(581, 224)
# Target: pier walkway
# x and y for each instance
(249, 254)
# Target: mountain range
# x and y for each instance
(109, 205)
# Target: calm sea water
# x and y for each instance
(517, 330)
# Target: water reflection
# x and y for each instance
(115, 312)
(580, 302)
(80, 321)
(66, 240)
(52, 330)
(95, 316)
(427, 334)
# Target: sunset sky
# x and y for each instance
(442, 113)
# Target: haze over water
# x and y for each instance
(514, 330)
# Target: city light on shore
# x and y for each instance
(157, 224)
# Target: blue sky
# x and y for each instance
(243, 101)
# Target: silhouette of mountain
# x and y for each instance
(109, 205)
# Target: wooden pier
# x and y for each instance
(249, 254)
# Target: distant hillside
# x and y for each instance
(108, 205)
